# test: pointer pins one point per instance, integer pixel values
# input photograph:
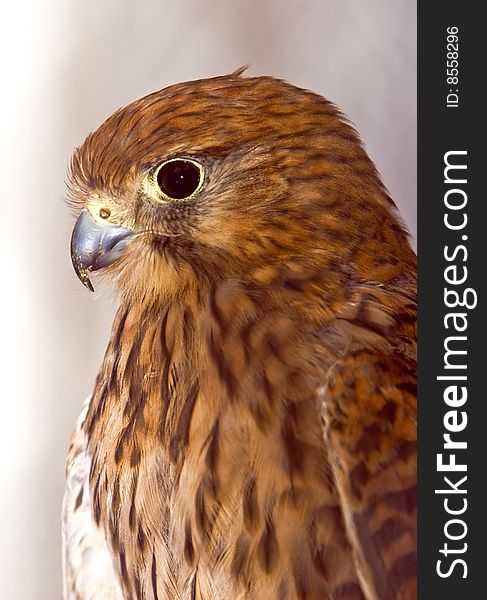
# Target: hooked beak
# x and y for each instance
(96, 245)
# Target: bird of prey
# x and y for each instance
(252, 429)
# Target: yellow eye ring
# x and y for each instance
(176, 180)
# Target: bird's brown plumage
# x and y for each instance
(252, 428)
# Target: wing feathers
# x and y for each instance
(369, 421)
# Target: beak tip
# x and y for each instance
(82, 272)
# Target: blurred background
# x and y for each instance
(66, 66)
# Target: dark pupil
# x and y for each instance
(178, 179)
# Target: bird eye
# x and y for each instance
(179, 178)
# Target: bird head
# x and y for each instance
(210, 178)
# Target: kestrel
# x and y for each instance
(252, 429)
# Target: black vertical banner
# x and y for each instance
(452, 239)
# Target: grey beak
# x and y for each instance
(96, 245)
